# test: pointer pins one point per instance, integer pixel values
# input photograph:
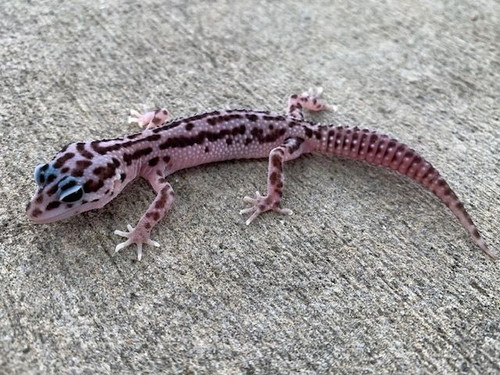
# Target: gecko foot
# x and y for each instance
(311, 99)
(136, 236)
(260, 204)
(150, 120)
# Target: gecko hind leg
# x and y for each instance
(311, 100)
(292, 148)
(150, 120)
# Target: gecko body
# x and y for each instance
(87, 175)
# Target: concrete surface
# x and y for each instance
(371, 275)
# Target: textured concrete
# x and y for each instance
(371, 275)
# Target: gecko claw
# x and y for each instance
(261, 204)
(135, 236)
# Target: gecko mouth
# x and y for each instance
(39, 217)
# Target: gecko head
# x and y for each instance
(76, 180)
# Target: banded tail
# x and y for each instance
(380, 149)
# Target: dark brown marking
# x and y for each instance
(273, 178)
(166, 159)
(105, 172)
(147, 226)
(53, 205)
(152, 162)
(276, 161)
(52, 190)
(83, 164)
(153, 215)
(308, 132)
(36, 212)
(51, 178)
(128, 158)
(252, 117)
(189, 126)
(229, 141)
(60, 162)
(92, 186)
(80, 147)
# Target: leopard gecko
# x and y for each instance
(87, 175)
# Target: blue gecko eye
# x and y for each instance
(70, 190)
(40, 174)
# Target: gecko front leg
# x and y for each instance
(141, 233)
(292, 148)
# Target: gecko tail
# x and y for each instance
(380, 149)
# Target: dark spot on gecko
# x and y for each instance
(53, 205)
(147, 226)
(161, 203)
(128, 158)
(105, 172)
(65, 148)
(116, 162)
(294, 96)
(64, 170)
(154, 215)
(308, 131)
(92, 186)
(207, 149)
(106, 192)
(189, 126)
(80, 147)
(51, 178)
(229, 141)
(36, 212)
(52, 190)
(166, 159)
(248, 141)
(133, 136)
(276, 161)
(273, 178)
(475, 233)
(152, 162)
(69, 205)
(252, 117)
(60, 162)
(123, 176)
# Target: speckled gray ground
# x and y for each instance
(371, 275)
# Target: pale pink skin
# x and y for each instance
(96, 172)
